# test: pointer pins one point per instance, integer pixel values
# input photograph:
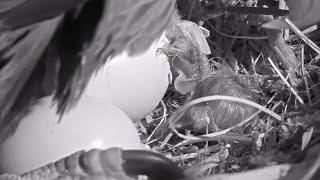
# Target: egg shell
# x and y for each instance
(134, 84)
(40, 139)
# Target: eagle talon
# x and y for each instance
(151, 164)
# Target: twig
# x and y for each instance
(164, 117)
(286, 82)
(223, 137)
(304, 75)
(256, 10)
(216, 135)
(166, 140)
(178, 114)
(152, 141)
(243, 10)
(295, 29)
(184, 157)
(237, 37)
(305, 32)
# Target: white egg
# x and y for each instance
(40, 139)
(134, 84)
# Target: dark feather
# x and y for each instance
(6, 5)
(34, 11)
(22, 59)
(72, 38)
(60, 56)
(125, 25)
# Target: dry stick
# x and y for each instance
(226, 98)
(219, 135)
(286, 82)
(256, 10)
(166, 140)
(225, 137)
(152, 141)
(244, 10)
(164, 117)
(305, 32)
(184, 157)
(304, 75)
(295, 29)
(237, 37)
(211, 136)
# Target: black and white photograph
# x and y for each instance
(159, 89)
